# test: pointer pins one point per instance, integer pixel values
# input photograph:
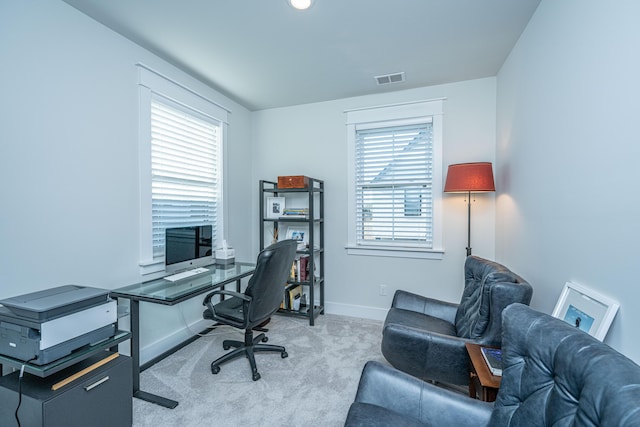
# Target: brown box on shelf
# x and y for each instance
(293, 181)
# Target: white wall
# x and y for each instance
(69, 158)
(311, 140)
(567, 156)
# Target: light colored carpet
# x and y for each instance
(314, 386)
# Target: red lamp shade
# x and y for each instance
(469, 177)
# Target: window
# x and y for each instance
(393, 184)
(184, 170)
(181, 140)
(395, 177)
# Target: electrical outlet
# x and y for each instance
(383, 290)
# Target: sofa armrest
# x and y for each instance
(389, 388)
(426, 354)
(413, 302)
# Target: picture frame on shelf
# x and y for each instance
(300, 235)
(275, 207)
(586, 309)
(297, 233)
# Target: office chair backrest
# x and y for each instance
(266, 286)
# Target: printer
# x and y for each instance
(44, 326)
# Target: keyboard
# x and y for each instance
(185, 274)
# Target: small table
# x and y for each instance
(165, 292)
(483, 384)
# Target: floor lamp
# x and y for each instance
(469, 178)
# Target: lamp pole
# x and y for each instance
(468, 223)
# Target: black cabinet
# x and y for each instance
(288, 213)
(101, 397)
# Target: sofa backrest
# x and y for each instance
(554, 374)
(488, 288)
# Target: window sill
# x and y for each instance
(395, 252)
(151, 267)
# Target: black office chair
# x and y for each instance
(260, 300)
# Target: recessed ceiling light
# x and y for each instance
(300, 4)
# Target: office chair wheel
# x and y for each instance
(215, 369)
(226, 346)
(284, 354)
(265, 339)
(256, 376)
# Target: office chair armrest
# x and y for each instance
(207, 299)
(207, 302)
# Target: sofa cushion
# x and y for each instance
(473, 313)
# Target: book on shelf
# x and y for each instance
(300, 269)
(293, 272)
(493, 359)
(295, 213)
(303, 268)
(294, 294)
(283, 304)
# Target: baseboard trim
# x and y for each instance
(156, 351)
(365, 312)
(152, 353)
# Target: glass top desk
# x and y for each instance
(162, 291)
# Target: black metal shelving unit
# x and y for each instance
(315, 249)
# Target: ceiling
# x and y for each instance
(265, 54)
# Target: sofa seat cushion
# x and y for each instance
(367, 415)
(423, 322)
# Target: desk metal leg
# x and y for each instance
(135, 355)
(238, 287)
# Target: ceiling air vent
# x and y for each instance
(390, 78)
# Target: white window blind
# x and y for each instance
(394, 185)
(185, 184)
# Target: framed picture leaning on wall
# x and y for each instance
(586, 309)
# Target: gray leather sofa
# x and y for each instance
(553, 375)
(426, 338)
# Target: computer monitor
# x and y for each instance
(188, 247)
